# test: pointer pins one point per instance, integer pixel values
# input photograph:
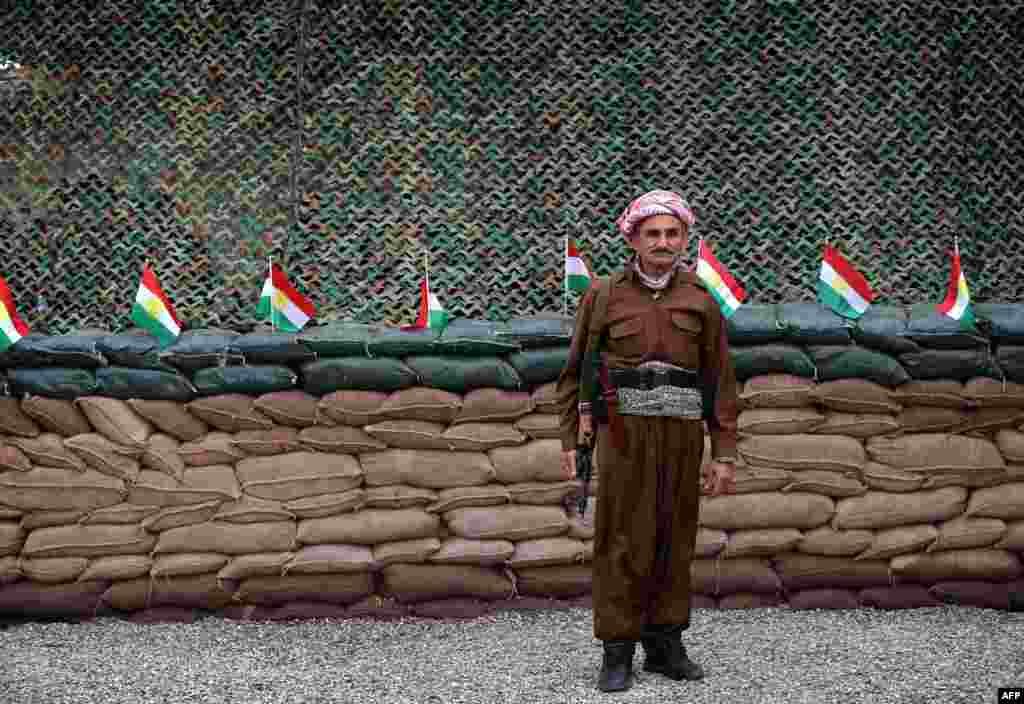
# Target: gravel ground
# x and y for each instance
(947, 654)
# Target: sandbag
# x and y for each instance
(354, 408)
(739, 575)
(1013, 538)
(826, 598)
(104, 456)
(369, 527)
(812, 324)
(194, 350)
(755, 360)
(1010, 360)
(356, 373)
(797, 571)
(398, 496)
(829, 542)
(12, 537)
(228, 538)
(542, 330)
(292, 408)
(330, 559)
(836, 362)
(1005, 502)
(510, 522)
(542, 552)
(884, 328)
(45, 519)
(264, 564)
(857, 425)
(744, 600)
(930, 419)
(187, 563)
(765, 510)
(902, 596)
(948, 565)
(248, 509)
(778, 421)
(777, 391)
(404, 551)
(297, 474)
(116, 567)
(463, 551)
(534, 461)
(118, 514)
(543, 493)
(422, 403)
(77, 349)
(53, 382)
(323, 505)
(539, 366)
(934, 330)
(986, 595)
(475, 338)
(494, 405)
(250, 379)
(834, 484)
(559, 581)
(136, 349)
(52, 414)
(161, 454)
(414, 583)
(751, 480)
(1005, 321)
(710, 541)
(180, 516)
(338, 339)
(901, 540)
(959, 364)
(399, 342)
(266, 443)
(466, 496)
(987, 421)
(942, 393)
(761, 542)
(329, 589)
(202, 591)
(462, 374)
(116, 420)
(271, 347)
(544, 399)
(33, 600)
(150, 384)
(1011, 445)
(170, 417)
(230, 413)
(855, 396)
(212, 448)
(431, 469)
(962, 533)
(876, 510)
(409, 434)
(885, 478)
(12, 458)
(992, 393)
(52, 489)
(754, 324)
(836, 453)
(935, 452)
(339, 439)
(540, 426)
(88, 541)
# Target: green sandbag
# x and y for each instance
(396, 342)
(755, 360)
(754, 324)
(270, 347)
(539, 366)
(462, 374)
(951, 364)
(1005, 320)
(1011, 362)
(338, 339)
(930, 328)
(884, 328)
(74, 350)
(854, 362)
(199, 349)
(52, 382)
(148, 384)
(325, 376)
(541, 330)
(475, 338)
(812, 324)
(250, 379)
(136, 349)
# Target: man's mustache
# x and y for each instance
(662, 251)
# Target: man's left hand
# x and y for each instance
(719, 478)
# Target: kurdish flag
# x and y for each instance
(12, 328)
(724, 288)
(577, 277)
(281, 304)
(152, 310)
(841, 287)
(432, 313)
(958, 299)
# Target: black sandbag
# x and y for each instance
(147, 384)
(325, 376)
(855, 362)
(398, 342)
(812, 324)
(52, 382)
(271, 347)
(338, 339)
(1005, 321)
(884, 328)
(540, 365)
(475, 338)
(755, 360)
(135, 348)
(252, 379)
(541, 330)
(463, 374)
(930, 328)
(74, 350)
(1011, 362)
(199, 349)
(754, 324)
(951, 364)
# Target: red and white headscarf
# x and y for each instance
(654, 203)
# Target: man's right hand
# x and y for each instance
(569, 464)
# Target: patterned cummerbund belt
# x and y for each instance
(657, 389)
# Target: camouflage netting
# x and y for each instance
(347, 139)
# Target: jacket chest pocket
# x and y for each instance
(686, 337)
(625, 337)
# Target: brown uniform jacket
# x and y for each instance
(681, 324)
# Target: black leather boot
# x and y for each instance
(617, 666)
(665, 654)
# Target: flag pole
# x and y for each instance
(565, 279)
(270, 276)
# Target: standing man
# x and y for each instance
(662, 366)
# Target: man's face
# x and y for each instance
(658, 240)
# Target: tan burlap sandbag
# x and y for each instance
(778, 421)
(710, 541)
(262, 564)
(56, 415)
(297, 474)
(535, 461)
(217, 477)
(422, 403)
(413, 583)
(8, 513)
(49, 488)
(943, 393)
(751, 480)
(1005, 502)
(718, 576)
(293, 407)
(777, 391)
(53, 570)
(171, 417)
(116, 567)
(766, 510)
(834, 484)
(935, 452)
(885, 478)
(409, 434)
(878, 509)
(889, 542)
(355, 408)
(827, 541)
(9, 572)
(116, 420)
(161, 454)
(45, 450)
(948, 565)
(542, 552)
(398, 496)
(799, 571)
(330, 559)
(323, 505)
(369, 527)
(118, 514)
(466, 496)
(229, 413)
(981, 422)
(993, 393)
(105, 456)
(1013, 538)
(12, 537)
(556, 581)
(13, 459)
(201, 591)
(836, 453)
(179, 516)
(212, 448)
(494, 406)
(13, 420)
(482, 436)
(545, 398)
(542, 493)
(857, 425)
(930, 419)
(329, 589)
(45, 519)
(154, 488)
(88, 541)
(970, 479)
(267, 443)
(431, 469)
(855, 396)
(340, 439)
(249, 509)
(963, 533)
(187, 563)
(540, 426)
(228, 538)
(1011, 445)
(463, 551)
(759, 542)
(507, 522)
(413, 551)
